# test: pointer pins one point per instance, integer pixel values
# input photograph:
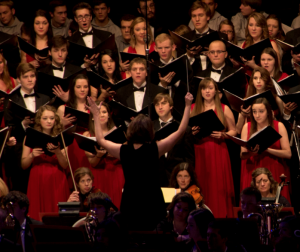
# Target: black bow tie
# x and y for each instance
(58, 68)
(142, 89)
(162, 124)
(29, 95)
(86, 33)
(217, 71)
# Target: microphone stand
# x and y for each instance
(146, 40)
(295, 137)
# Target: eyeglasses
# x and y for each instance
(227, 32)
(217, 52)
(80, 18)
(150, 7)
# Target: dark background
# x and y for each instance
(170, 12)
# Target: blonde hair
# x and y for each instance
(3, 188)
(133, 24)
(163, 37)
(5, 74)
(199, 104)
(261, 22)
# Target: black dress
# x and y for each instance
(142, 204)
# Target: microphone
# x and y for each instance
(147, 38)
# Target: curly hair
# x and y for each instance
(262, 170)
(261, 22)
(57, 128)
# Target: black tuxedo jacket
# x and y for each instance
(125, 95)
(192, 35)
(183, 151)
(28, 235)
(98, 37)
(69, 69)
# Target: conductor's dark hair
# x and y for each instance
(17, 197)
(56, 3)
(140, 130)
(181, 197)
(72, 101)
(254, 4)
(98, 2)
(251, 191)
(202, 218)
(184, 166)
(80, 6)
(100, 198)
(58, 41)
(114, 56)
(45, 14)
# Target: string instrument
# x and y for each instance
(94, 190)
(195, 192)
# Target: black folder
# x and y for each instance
(19, 111)
(3, 133)
(79, 51)
(82, 117)
(286, 46)
(130, 56)
(182, 41)
(254, 50)
(234, 83)
(125, 112)
(88, 143)
(289, 82)
(207, 120)
(31, 50)
(177, 65)
(264, 138)
(46, 82)
(7, 39)
(236, 102)
(295, 97)
(3, 94)
(167, 130)
(96, 80)
(38, 139)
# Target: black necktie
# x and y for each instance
(58, 68)
(142, 89)
(216, 71)
(86, 33)
(162, 124)
(29, 95)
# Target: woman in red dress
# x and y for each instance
(78, 92)
(107, 170)
(212, 162)
(261, 116)
(47, 181)
(137, 43)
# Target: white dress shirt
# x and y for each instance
(216, 76)
(58, 73)
(88, 39)
(29, 101)
(139, 97)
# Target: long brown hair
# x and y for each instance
(264, 101)
(261, 22)
(133, 24)
(199, 104)
(280, 34)
(277, 73)
(57, 128)
(265, 76)
(110, 122)
(228, 22)
(5, 74)
(262, 170)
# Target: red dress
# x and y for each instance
(2, 105)
(132, 50)
(276, 165)
(47, 186)
(213, 170)
(109, 177)
(283, 76)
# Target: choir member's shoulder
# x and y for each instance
(47, 69)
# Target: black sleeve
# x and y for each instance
(284, 201)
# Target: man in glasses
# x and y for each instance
(87, 35)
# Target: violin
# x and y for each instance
(195, 192)
(93, 190)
